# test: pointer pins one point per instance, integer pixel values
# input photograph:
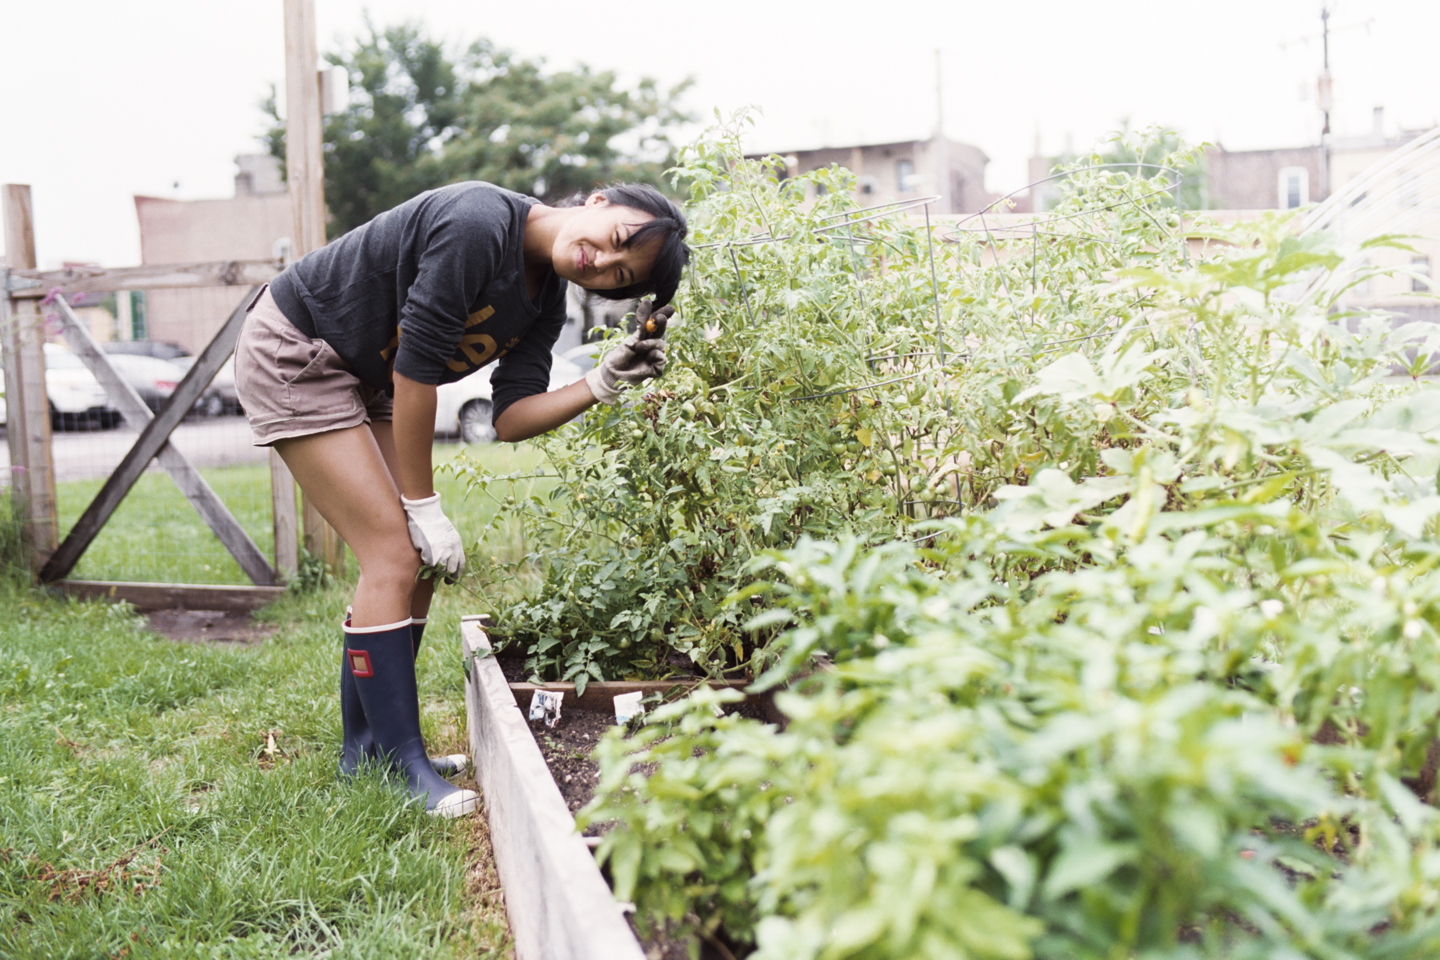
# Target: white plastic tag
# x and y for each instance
(545, 705)
(627, 705)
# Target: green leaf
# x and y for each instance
(1084, 861)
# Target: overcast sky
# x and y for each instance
(107, 100)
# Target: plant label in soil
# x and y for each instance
(627, 705)
(545, 705)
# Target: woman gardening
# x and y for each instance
(337, 366)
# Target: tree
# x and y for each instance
(552, 135)
(419, 119)
(1149, 149)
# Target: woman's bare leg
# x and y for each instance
(344, 474)
(384, 432)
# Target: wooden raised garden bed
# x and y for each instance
(559, 904)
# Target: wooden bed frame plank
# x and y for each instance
(560, 907)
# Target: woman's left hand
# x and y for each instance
(435, 536)
(652, 325)
(632, 361)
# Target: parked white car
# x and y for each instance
(77, 401)
(153, 379)
(219, 398)
(463, 407)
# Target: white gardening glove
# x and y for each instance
(639, 356)
(434, 535)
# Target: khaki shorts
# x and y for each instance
(292, 386)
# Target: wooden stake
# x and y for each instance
(287, 533)
(22, 340)
(305, 172)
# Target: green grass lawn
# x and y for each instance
(155, 536)
(170, 799)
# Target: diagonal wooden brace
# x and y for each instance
(154, 443)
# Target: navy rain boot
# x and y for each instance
(452, 764)
(356, 744)
(381, 661)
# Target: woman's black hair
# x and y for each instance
(668, 226)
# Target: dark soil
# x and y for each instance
(567, 748)
(209, 626)
(512, 666)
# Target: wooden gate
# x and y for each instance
(28, 422)
(22, 336)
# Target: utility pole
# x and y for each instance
(1325, 100)
(942, 145)
(305, 173)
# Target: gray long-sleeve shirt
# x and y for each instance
(433, 289)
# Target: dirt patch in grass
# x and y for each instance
(210, 626)
(123, 875)
(489, 930)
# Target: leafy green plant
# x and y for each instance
(1156, 688)
(979, 776)
(819, 383)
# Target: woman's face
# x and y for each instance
(588, 247)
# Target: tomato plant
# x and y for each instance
(823, 380)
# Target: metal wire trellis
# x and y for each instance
(847, 219)
(1396, 195)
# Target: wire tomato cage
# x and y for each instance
(845, 220)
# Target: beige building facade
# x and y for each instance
(1410, 193)
(254, 224)
(903, 170)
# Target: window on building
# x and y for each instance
(139, 329)
(1420, 282)
(905, 176)
(1294, 187)
(868, 185)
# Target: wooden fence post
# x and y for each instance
(305, 172)
(27, 427)
(287, 534)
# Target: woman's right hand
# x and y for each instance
(652, 324)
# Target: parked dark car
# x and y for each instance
(159, 349)
(219, 398)
(154, 379)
